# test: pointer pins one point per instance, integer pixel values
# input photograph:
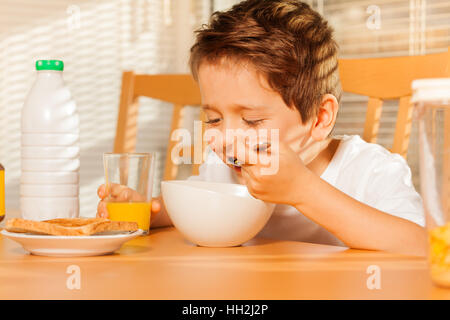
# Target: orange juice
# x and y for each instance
(138, 212)
(440, 255)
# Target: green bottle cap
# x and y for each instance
(57, 65)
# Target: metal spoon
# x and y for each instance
(263, 146)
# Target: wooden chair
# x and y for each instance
(178, 89)
(390, 78)
(379, 79)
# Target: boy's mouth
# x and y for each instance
(234, 163)
(236, 169)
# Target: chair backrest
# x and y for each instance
(377, 78)
(178, 89)
(390, 78)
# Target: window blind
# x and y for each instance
(97, 40)
(405, 27)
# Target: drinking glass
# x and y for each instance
(129, 181)
(431, 99)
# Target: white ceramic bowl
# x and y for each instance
(214, 214)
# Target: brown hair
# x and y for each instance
(286, 41)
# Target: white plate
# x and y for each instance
(71, 246)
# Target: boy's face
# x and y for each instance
(237, 97)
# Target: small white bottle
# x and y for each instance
(49, 147)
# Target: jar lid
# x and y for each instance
(432, 89)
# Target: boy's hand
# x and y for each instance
(281, 183)
(122, 193)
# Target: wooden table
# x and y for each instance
(165, 266)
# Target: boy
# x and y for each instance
(272, 65)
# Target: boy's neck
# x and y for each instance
(320, 163)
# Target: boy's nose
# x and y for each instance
(229, 142)
(223, 148)
(234, 149)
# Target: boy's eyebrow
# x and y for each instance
(251, 107)
(237, 106)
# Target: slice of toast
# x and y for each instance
(68, 227)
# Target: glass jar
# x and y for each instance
(431, 98)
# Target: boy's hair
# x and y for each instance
(284, 40)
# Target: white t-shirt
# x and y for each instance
(365, 171)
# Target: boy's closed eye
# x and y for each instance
(212, 121)
(251, 123)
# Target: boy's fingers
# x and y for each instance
(102, 211)
(123, 193)
(116, 189)
(156, 206)
(101, 191)
(262, 147)
(255, 152)
(135, 196)
(156, 209)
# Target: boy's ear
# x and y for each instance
(326, 117)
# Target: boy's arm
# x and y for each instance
(356, 224)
